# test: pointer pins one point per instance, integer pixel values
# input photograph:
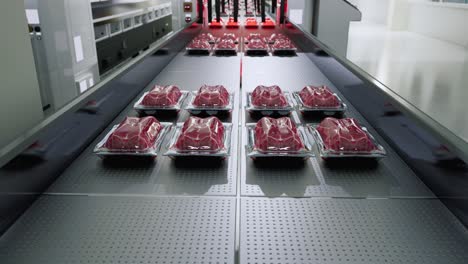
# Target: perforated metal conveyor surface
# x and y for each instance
(237, 211)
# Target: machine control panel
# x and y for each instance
(188, 7)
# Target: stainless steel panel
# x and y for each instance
(350, 231)
(81, 229)
(90, 174)
(391, 177)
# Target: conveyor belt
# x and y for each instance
(166, 212)
(81, 229)
(89, 174)
(391, 178)
(350, 231)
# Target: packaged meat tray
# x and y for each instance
(319, 99)
(252, 36)
(207, 137)
(206, 37)
(230, 36)
(161, 98)
(280, 137)
(199, 47)
(215, 24)
(269, 100)
(211, 100)
(251, 22)
(345, 138)
(274, 37)
(269, 23)
(283, 47)
(134, 137)
(232, 24)
(256, 47)
(226, 47)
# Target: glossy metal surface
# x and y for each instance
(203, 211)
(453, 136)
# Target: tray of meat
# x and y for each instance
(226, 47)
(274, 37)
(269, 100)
(206, 137)
(230, 36)
(256, 47)
(283, 47)
(206, 37)
(345, 138)
(215, 24)
(251, 22)
(198, 47)
(232, 24)
(134, 137)
(161, 98)
(280, 137)
(252, 36)
(211, 100)
(269, 23)
(319, 99)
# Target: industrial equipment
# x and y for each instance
(288, 155)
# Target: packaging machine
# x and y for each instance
(60, 203)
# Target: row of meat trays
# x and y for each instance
(269, 137)
(143, 137)
(270, 100)
(249, 23)
(209, 99)
(255, 44)
(266, 100)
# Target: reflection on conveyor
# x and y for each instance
(128, 207)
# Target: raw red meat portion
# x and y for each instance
(231, 23)
(252, 36)
(230, 36)
(137, 134)
(199, 44)
(274, 37)
(268, 96)
(277, 135)
(201, 134)
(162, 96)
(251, 23)
(226, 44)
(269, 23)
(216, 95)
(216, 24)
(205, 37)
(257, 44)
(318, 97)
(282, 44)
(345, 135)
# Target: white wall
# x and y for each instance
(373, 11)
(444, 21)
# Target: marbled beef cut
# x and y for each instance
(201, 134)
(216, 95)
(197, 44)
(268, 96)
(277, 135)
(136, 134)
(345, 135)
(318, 97)
(162, 96)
